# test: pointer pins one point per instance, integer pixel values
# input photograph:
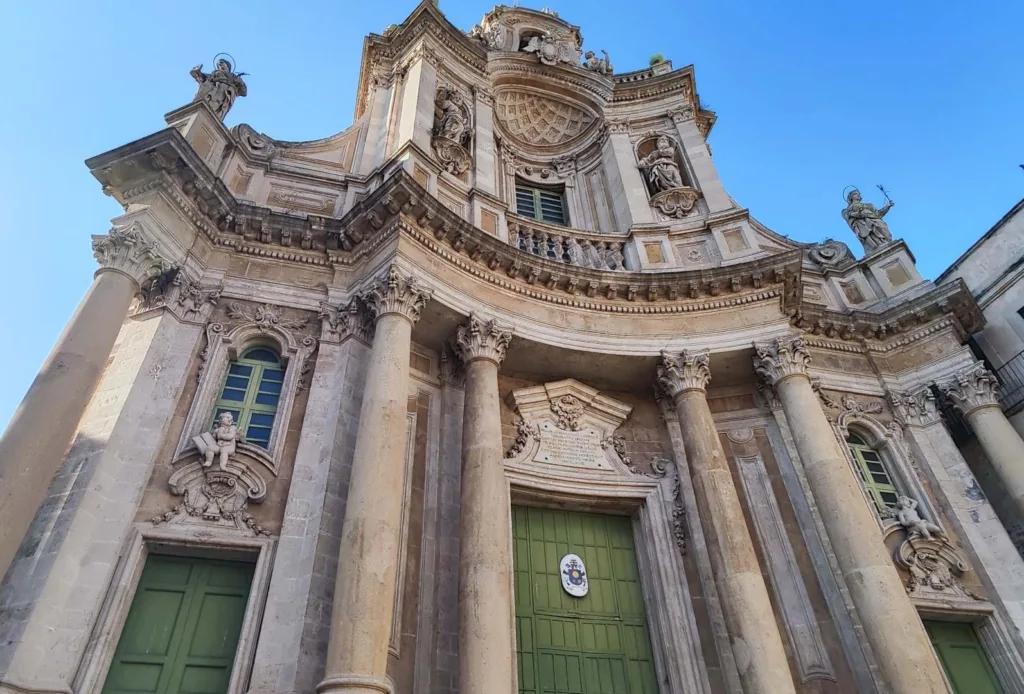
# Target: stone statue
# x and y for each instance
(453, 124)
(220, 442)
(602, 66)
(866, 221)
(661, 167)
(219, 88)
(907, 515)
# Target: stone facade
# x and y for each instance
(450, 347)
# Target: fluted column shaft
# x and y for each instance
(890, 620)
(975, 393)
(364, 591)
(486, 655)
(33, 445)
(757, 642)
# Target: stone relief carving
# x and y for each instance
(540, 120)
(257, 144)
(568, 410)
(972, 388)
(919, 408)
(934, 570)
(602, 66)
(678, 514)
(179, 291)
(220, 88)
(339, 322)
(452, 130)
(866, 221)
(264, 317)
(554, 47)
(524, 432)
(830, 253)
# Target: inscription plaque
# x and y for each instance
(571, 448)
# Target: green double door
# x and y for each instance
(597, 644)
(963, 658)
(183, 627)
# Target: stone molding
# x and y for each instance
(688, 371)
(781, 359)
(917, 408)
(128, 251)
(393, 293)
(482, 339)
(972, 389)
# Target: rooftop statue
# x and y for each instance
(220, 88)
(602, 66)
(866, 220)
(661, 167)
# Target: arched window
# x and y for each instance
(873, 473)
(251, 391)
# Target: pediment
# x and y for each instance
(537, 119)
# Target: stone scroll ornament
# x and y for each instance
(866, 220)
(669, 194)
(452, 132)
(219, 89)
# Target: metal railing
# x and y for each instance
(1011, 378)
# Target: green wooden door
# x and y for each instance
(597, 644)
(963, 658)
(182, 629)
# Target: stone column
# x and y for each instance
(757, 643)
(890, 620)
(486, 655)
(365, 587)
(975, 393)
(33, 445)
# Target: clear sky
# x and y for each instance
(926, 98)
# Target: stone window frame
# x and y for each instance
(178, 541)
(649, 504)
(225, 345)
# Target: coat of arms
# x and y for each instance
(574, 575)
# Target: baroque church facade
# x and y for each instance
(499, 390)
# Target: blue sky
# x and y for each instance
(925, 98)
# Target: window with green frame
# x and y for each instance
(544, 204)
(252, 389)
(873, 473)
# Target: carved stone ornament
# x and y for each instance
(689, 370)
(258, 145)
(934, 570)
(394, 292)
(972, 389)
(452, 133)
(264, 317)
(126, 250)
(602, 66)
(219, 88)
(569, 427)
(781, 359)
(830, 253)
(554, 47)
(351, 319)
(678, 514)
(676, 202)
(482, 339)
(538, 120)
(914, 409)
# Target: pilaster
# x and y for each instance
(416, 111)
(699, 156)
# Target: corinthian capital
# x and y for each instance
(482, 339)
(781, 359)
(916, 409)
(972, 389)
(395, 293)
(126, 250)
(688, 371)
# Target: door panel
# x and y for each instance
(597, 644)
(963, 658)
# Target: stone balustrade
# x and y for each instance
(565, 245)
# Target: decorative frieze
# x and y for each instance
(126, 250)
(781, 359)
(688, 371)
(972, 389)
(482, 339)
(395, 293)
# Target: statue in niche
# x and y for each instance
(661, 167)
(866, 221)
(602, 66)
(452, 133)
(453, 124)
(220, 88)
(221, 442)
(907, 515)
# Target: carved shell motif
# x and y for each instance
(538, 120)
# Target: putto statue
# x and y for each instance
(866, 220)
(661, 167)
(221, 442)
(907, 515)
(220, 88)
(602, 66)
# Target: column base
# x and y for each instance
(355, 684)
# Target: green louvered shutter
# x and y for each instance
(963, 658)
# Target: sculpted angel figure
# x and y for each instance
(220, 88)
(661, 167)
(221, 442)
(602, 66)
(909, 518)
(866, 221)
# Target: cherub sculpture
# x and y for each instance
(220, 442)
(907, 515)
(602, 66)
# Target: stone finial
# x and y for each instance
(482, 339)
(781, 359)
(393, 293)
(689, 371)
(972, 389)
(219, 88)
(126, 250)
(916, 408)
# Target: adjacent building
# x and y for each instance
(499, 390)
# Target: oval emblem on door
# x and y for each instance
(574, 575)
